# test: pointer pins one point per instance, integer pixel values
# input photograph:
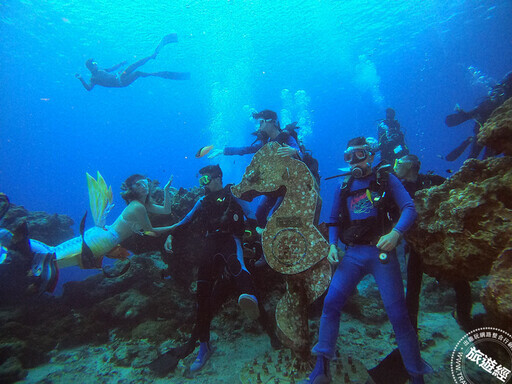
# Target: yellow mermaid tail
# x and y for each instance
(100, 199)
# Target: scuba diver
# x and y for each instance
(88, 249)
(407, 170)
(103, 76)
(269, 130)
(220, 216)
(481, 113)
(391, 139)
(359, 218)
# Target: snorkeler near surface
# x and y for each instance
(103, 76)
(87, 251)
(358, 219)
(481, 113)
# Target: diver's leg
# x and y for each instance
(233, 257)
(345, 279)
(389, 281)
(127, 79)
(475, 149)
(136, 65)
(172, 75)
(489, 152)
(414, 277)
(204, 290)
(464, 303)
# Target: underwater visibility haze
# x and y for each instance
(332, 66)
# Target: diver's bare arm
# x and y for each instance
(166, 208)
(146, 225)
(84, 83)
(117, 66)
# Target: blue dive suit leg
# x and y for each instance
(389, 281)
(348, 274)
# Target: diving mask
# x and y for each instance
(263, 121)
(354, 155)
(401, 163)
(205, 180)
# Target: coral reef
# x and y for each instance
(497, 296)
(497, 131)
(465, 223)
(282, 367)
(464, 226)
(52, 229)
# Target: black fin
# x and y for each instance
(87, 257)
(168, 361)
(457, 118)
(391, 370)
(455, 154)
(82, 225)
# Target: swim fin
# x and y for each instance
(170, 38)
(457, 118)
(391, 370)
(168, 361)
(87, 259)
(100, 198)
(455, 154)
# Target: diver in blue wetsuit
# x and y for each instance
(221, 217)
(360, 220)
(104, 77)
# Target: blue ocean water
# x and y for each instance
(333, 65)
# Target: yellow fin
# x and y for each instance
(100, 198)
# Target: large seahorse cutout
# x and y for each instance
(291, 242)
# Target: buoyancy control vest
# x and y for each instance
(223, 214)
(369, 230)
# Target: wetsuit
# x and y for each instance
(361, 258)
(415, 270)
(268, 204)
(220, 216)
(391, 141)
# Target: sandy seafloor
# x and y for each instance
(439, 333)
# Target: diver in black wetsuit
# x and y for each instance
(105, 78)
(407, 170)
(221, 219)
(497, 96)
(391, 139)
